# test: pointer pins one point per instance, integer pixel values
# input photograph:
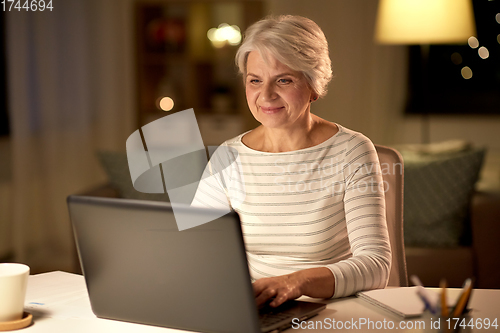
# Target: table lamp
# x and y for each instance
(424, 22)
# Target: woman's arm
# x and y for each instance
(364, 207)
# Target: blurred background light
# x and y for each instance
(166, 103)
(473, 42)
(466, 73)
(483, 52)
(456, 58)
(224, 34)
(424, 21)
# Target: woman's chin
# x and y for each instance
(272, 123)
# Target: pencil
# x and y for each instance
(444, 303)
(463, 300)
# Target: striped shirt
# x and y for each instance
(321, 206)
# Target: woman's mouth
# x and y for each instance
(270, 109)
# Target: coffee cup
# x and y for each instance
(13, 282)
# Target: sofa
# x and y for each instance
(450, 227)
(479, 259)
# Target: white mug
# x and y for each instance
(13, 282)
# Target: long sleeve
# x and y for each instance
(364, 206)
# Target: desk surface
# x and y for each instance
(59, 303)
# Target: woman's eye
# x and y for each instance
(254, 81)
(284, 81)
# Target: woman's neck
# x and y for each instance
(277, 140)
(311, 132)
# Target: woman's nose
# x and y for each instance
(268, 92)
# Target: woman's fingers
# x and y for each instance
(282, 288)
(280, 299)
(265, 296)
(258, 286)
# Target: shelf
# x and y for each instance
(176, 59)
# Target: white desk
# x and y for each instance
(59, 303)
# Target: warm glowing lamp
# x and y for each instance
(424, 22)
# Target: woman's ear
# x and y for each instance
(314, 97)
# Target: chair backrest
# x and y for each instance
(391, 163)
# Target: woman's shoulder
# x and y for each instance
(338, 133)
(352, 137)
(356, 144)
(236, 141)
(251, 139)
(231, 146)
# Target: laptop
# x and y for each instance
(140, 268)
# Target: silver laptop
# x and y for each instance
(140, 268)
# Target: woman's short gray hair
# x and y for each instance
(296, 42)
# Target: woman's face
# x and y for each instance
(278, 96)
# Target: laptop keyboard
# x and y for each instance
(269, 316)
(268, 319)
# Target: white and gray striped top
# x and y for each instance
(321, 206)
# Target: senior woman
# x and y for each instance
(308, 191)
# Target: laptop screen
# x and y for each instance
(140, 268)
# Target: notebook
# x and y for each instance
(401, 301)
(139, 267)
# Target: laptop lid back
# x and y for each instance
(139, 268)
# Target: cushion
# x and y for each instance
(437, 193)
(115, 165)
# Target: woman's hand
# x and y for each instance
(314, 282)
(282, 288)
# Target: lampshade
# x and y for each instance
(424, 22)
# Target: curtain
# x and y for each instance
(70, 93)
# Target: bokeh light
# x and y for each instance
(473, 42)
(166, 104)
(466, 73)
(224, 34)
(456, 58)
(483, 52)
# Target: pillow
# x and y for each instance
(115, 165)
(437, 193)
